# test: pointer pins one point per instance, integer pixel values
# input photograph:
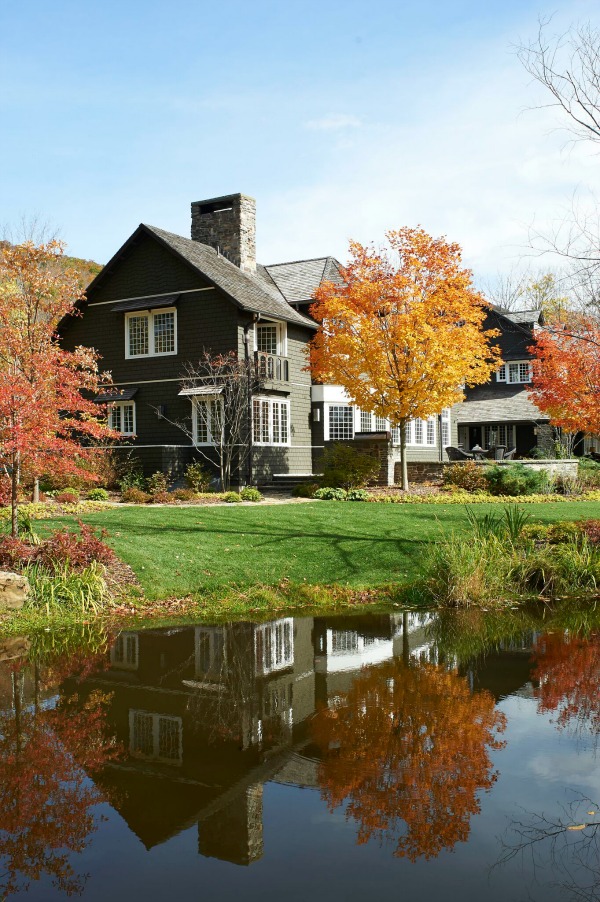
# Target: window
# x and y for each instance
(381, 424)
(445, 427)
(151, 334)
(124, 654)
(365, 421)
(418, 433)
(207, 420)
(155, 736)
(431, 431)
(499, 434)
(270, 421)
(274, 645)
(340, 423)
(210, 651)
(121, 417)
(517, 371)
(270, 338)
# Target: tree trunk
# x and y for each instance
(36, 490)
(14, 495)
(405, 642)
(403, 465)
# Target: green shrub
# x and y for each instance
(158, 483)
(198, 477)
(345, 467)
(249, 493)
(305, 490)
(357, 495)
(232, 497)
(468, 476)
(515, 479)
(588, 473)
(134, 495)
(328, 493)
(97, 495)
(132, 476)
(58, 588)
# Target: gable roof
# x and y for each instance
(491, 407)
(298, 280)
(250, 292)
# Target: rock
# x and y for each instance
(14, 589)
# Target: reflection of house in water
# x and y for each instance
(209, 714)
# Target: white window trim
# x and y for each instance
(204, 399)
(121, 405)
(270, 402)
(124, 664)
(150, 314)
(281, 336)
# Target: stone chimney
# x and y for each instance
(229, 225)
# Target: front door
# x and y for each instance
(475, 437)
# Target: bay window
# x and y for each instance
(516, 371)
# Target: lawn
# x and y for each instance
(176, 551)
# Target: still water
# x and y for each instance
(391, 756)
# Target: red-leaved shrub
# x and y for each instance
(67, 498)
(591, 529)
(15, 553)
(78, 550)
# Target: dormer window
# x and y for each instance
(517, 371)
(151, 333)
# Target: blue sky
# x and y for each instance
(342, 118)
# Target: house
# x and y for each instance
(163, 300)
(501, 412)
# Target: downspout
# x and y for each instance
(248, 361)
(440, 440)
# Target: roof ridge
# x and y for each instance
(306, 260)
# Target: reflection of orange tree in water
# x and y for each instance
(568, 669)
(46, 799)
(408, 748)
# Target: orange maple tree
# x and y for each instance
(567, 667)
(566, 373)
(408, 749)
(403, 332)
(44, 417)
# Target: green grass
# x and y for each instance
(179, 551)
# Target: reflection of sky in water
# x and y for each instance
(308, 852)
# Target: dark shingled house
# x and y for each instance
(162, 300)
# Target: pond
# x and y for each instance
(385, 756)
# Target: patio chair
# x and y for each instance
(595, 456)
(457, 454)
(509, 455)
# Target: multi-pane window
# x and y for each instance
(121, 417)
(152, 333)
(266, 338)
(381, 424)
(431, 431)
(270, 421)
(341, 422)
(207, 421)
(138, 335)
(499, 434)
(164, 332)
(418, 433)
(517, 371)
(155, 736)
(445, 427)
(365, 421)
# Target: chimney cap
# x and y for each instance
(215, 200)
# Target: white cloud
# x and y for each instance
(334, 122)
